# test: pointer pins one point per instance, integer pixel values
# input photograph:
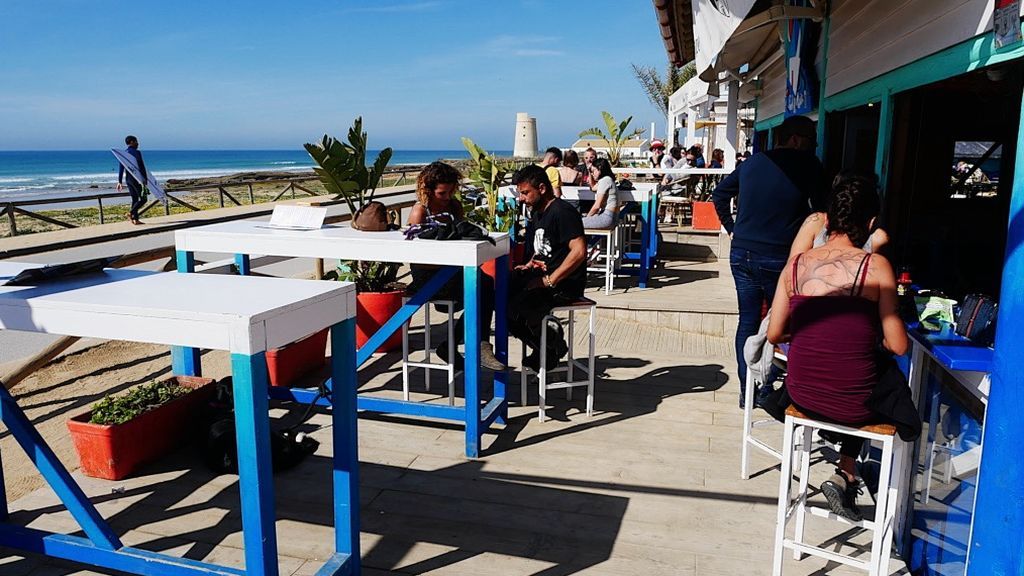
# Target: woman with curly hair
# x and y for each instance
(436, 199)
(834, 304)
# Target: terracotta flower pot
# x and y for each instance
(373, 309)
(114, 451)
(705, 217)
(288, 364)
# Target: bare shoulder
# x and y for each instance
(816, 219)
(418, 214)
(880, 267)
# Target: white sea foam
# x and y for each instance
(15, 180)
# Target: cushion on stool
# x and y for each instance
(883, 429)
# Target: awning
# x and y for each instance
(753, 39)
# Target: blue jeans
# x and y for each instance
(756, 277)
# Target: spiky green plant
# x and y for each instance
(488, 173)
(342, 168)
(658, 89)
(616, 136)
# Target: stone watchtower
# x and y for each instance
(526, 136)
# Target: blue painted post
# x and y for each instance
(997, 528)
(471, 329)
(243, 265)
(501, 333)
(186, 361)
(649, 228)
(255, 477)
(346, 455)
(3, 494)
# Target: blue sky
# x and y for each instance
(79, 74)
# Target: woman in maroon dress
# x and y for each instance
(835, 304)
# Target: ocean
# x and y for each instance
(28, 175)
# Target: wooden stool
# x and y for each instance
(571, 364)
(881, 526)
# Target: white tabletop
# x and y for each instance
(642, 192)
(337, 241)
(239, 314)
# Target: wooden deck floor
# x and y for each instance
(648, 486)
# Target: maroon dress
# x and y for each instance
(832, 366)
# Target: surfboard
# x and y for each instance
(128, 161)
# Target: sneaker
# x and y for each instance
(594, 254)
(442, 353)
(488, 360)
(842, 496)
(532, 361)
(743, 397)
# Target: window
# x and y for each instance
(975, 170)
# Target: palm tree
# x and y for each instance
(615, 137)
(659, 90)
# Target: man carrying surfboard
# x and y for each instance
(136, 186)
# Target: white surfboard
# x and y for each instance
(128, 161)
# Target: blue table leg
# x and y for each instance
(243, 265)
(648, 229)
(346, 456)
(255, 477)
(186, 361)
(3, 492)
(471, 323)
(501, 333)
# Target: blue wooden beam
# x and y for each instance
(56, 475)
(125, 559)
(255, 478)
(346, 447)
(998, 524)
(424, 409)
(501, 333)
(405, 313)
(185, 361)
(243, 264)
(471, 373)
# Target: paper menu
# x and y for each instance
(298, 217)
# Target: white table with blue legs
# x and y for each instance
(646, 196)
(245, 316)
(247, 238)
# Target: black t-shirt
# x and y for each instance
(547, 239)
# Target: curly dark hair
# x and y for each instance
(853, 205)
(433, 174)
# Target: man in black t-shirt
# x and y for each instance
(554, 273)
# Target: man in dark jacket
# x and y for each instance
(775, 191)
(134, 188)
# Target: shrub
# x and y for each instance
(121, 409)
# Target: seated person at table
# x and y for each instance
(435, 198)
(605, 211)
(674, 159)
(812, 232)
(834, 304)
(568, 172)
(552, 158)
(554, 273)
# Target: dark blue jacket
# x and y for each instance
(138, 160)
(777, 189)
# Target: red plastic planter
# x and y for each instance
(113, 452)
(373, 309)
(290, 363)
(705, 217)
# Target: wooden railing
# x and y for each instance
(298, 184)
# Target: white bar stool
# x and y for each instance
(611, 255)
(881, 527)
(427, 365)
(571, 365)
(748, 426)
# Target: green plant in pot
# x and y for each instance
(616, 137)
(488, 173)
(342, 168)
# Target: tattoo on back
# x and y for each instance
(828, 272)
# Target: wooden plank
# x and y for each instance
(46, 219)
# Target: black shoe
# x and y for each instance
(532, 361)
(842, 496)
(743, 397)
(762, 393)
(488, 360)
(442, 353)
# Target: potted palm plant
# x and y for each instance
(487, 173)
(342, 168)
(120, 433)
(617, 135)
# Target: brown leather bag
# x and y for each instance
(372, 217)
